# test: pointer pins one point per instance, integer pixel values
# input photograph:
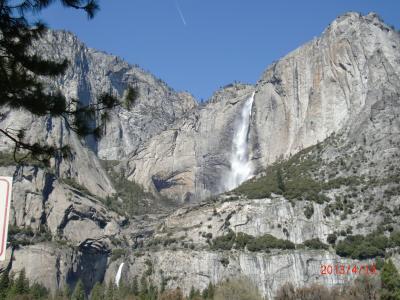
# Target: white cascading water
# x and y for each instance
(118, 276)
(241, 167)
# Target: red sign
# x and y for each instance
(5, 199)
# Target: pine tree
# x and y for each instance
(97, 292)
(191, 293)
(208, 292)
(390, 282)
(79, 291)
(163, 282)
(67, 291)
(279, 179)
(143, 286)
(4, 285)
(110, 291)
(21, 285)
(135, 286)
(152, 292)
(194, 293)
(38, 291)
(22, 74)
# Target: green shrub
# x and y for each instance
(117, 253)
(237, 289)
(224, 242)
(379, 261)
(395, 238)
(267, 242)
(224, 261)
(331, 239)
(309, 211)
(390, 281)
(132, 193)
(363, 247)
(315, 244)
(74, 184)
(242, 239)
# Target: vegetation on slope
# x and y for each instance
(265, 243)
(360, 247)
(131, 198)
(370, 246)
(296, 178)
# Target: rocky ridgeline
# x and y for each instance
(70, 220)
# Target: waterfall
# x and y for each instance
(118, 276)
(241, 168)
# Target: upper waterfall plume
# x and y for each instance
(241, 168)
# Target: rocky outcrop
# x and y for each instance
(61, 234)
(190, 160)
(92, 73)
(191, 268)
(325, 86)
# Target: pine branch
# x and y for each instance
(42, 153)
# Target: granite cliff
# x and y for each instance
(324, 121)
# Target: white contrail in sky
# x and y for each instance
(180, 12)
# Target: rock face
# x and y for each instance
(266, 271)
(83, 164)
(325, 85)
(344, 85)
(92, 72)
(190, 160)
(181, 150)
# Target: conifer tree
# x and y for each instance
(152, 292)
(97, 292)
(38, 291)
(110, 291)
(191, 293)
(79, 291)
(23, 73)
(279, 179)
(390, 282)
(21, 284)
(135, 286)
(143, 286)
(4, 285)
(208, 292)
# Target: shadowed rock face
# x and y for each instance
(345, 82)
(191, 159)
(92, 72)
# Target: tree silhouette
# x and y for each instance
(22, 75)
(79, 291)
(4, 284)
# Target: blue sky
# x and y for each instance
(202, 45)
